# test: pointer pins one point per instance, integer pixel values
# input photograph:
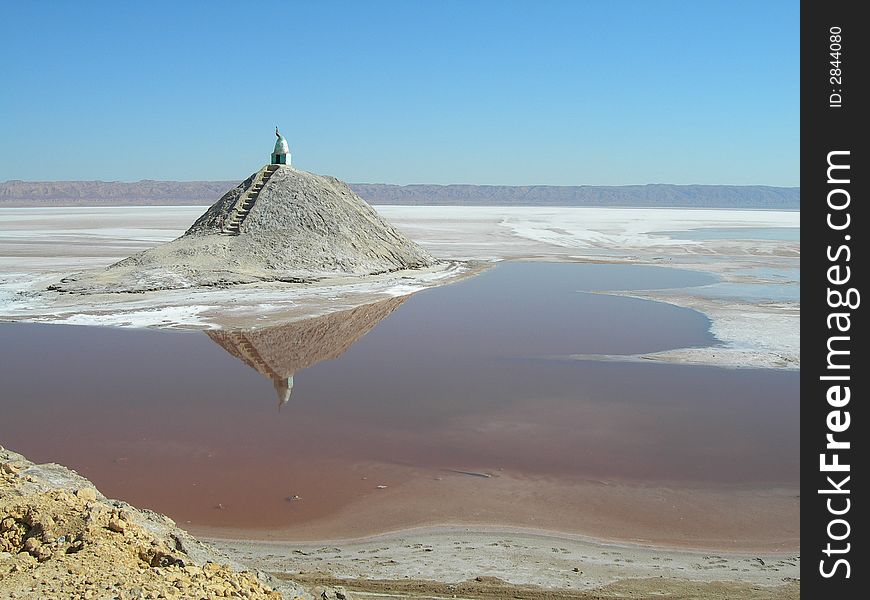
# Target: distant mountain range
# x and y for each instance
(111, 193)
(720, 196)
(115, 193)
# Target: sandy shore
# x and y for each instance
(700, 535)
(492, 588)
(520, 557)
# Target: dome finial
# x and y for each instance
(276, 131)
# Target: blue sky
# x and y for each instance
(515, 93)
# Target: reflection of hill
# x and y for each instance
(278, 352)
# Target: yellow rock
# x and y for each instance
(117, 525)
(10, 468)
(87, 494)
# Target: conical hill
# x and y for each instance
(279, 224)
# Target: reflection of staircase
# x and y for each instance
(250, 353)
(246, 201)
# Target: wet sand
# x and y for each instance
(691, 517)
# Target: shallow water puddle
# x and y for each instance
(279, 427)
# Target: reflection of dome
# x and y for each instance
(279, 352)
(284, 387)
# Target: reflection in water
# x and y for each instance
(279, 352)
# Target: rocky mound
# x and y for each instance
(281, 224)
(61, 538)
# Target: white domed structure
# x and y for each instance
(281, 153)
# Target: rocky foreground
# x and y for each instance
(61, 538)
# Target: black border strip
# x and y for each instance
(833, 223)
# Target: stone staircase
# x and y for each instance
(246, 201)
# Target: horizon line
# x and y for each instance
(412, 184)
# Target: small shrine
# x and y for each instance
(281, 153)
